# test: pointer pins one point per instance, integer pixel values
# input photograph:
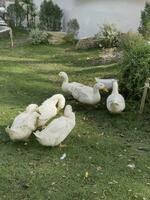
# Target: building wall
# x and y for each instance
(93, 13)
(2, 2)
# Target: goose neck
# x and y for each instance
(65, 79)
(115, 87)
(95, 89)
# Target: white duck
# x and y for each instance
(58, 129)
(24, 124)
(88, 95)
(115, 102)
(66, 86)
(107, 82)
(49, 108)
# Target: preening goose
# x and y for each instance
(24, 124)
(115, 102)
(49, 108)
(58, 129)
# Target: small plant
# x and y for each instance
(108, 36)
(72, 31)
(135, 67)
(144, 28)
(38, 37)
(73, 28)
(69, 38)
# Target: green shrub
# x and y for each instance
(69, 38)
(129, 40)
(38, 37)
(135, 68)
(108, 36)
(144, 28)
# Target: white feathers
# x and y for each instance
(107, 82)
(58, 129)
(49, 108)
(66, 86)
(81, 92)
(88, 95)
(115, 102)
(28, 121)
(55, 131)
(24, 124)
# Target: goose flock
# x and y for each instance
(50, 130)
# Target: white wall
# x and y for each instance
(93, 13)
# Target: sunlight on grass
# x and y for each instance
(101, 144)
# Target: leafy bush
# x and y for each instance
(38, 37)
(108, 36)
(50, 16)
(129, 40)
(144, 28)
(135, 68)
(69, 38)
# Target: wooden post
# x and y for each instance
(11, 37)
(147, 85)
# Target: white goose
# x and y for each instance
(24, 124)
(107, 82)
(49, 108)
(115, 102)
(88, 95)
(66, 86)
(58, 129)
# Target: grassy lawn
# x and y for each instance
(101, 144)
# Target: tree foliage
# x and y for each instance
(144, 28)
(50, 16)
(30, 11)
(16, 13)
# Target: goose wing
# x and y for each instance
(82, 92)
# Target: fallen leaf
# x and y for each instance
(63, 156)
(131, 166)
(86, 174)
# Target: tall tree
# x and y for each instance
(30, 9)
(144, 28)
(50, 16)
(16, 13)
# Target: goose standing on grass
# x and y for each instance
(50, 108)
(107, 82)
(66, 86)
(115, 102)
(24, 124)
(88, 95)
(58, 129)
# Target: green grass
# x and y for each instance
(101, 144)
